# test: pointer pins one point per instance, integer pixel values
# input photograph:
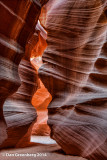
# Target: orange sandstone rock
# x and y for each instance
(40, 101)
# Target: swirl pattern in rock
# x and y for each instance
(75, 73)
(18, 20)
(41, 98)
(40, 101)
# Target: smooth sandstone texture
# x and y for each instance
(75, 73)
(19, 113)
(41, 43)
(18, 20)
(40, 101)
(42, 97)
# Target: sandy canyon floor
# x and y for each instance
(44, 149)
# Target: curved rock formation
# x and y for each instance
(18, 20)
(75, 73)
(41, 98)
(40, 101)
(20, 115)
(41, 43)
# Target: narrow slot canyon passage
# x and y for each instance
(53, 80)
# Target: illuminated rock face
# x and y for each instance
(75, 73)
(42, 97)
(40, 101)
(18, 20)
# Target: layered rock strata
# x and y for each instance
(20, 115)
(41, 98)
(18, 20)
(40, 101)
(75, 73)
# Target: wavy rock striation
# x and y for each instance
(42, 97)
(19, 114)
(18, 20)
(75, 73)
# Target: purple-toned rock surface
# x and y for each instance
(75, 73)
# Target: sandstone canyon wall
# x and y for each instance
(19, 114)
(18, 20)
(40, 101)
(75, 74)
(41, 98)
